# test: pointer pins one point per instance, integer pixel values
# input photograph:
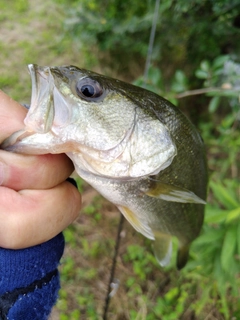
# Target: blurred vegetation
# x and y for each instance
(187, 31)
(196, 65)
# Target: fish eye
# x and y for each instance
(89, 89)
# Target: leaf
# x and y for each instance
(238, 238)
(201, 74)
(180, 76)
(205, 66)
(214, 214)
(223, 196)
(205, 297)
(213, 105)
(165, 5)
(233, 215)
(225, 308)
(214, 235)
(180, 82)
(228, 248)
(155, 76)
(220, 61)
(228, 121)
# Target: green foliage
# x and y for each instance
(94, 210)
(221, 130)
(216, 252)
(121, 29)
(111, 24)
(85, 310)
(155, 82)
(164, 305)
(142, 261)
(19, 6)
(221, 77)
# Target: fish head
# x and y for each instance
(98, 121)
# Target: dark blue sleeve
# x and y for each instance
(29, 280)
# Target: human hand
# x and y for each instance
(36, 203)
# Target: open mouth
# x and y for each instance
(40, 116)
(41, 113)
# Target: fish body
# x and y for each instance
(133, 146)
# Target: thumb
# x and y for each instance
(12, 115)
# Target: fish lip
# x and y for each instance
(13, 142)
(41, 113)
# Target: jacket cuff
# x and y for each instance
(29, 280)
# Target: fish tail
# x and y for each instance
(182, 256)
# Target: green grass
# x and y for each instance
(31, 33)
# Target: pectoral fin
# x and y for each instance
(172, 193)
(140, 226)
(162, 247)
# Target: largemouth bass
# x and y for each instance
(133, 146)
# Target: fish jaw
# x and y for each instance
(49, 106)
(40, 119)
(28, 142)
(43, 117)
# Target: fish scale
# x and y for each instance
(133, 146)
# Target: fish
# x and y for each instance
(137, 149)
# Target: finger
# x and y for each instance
(31, 217)
(33, 172)
(25, 172)
(12, 115)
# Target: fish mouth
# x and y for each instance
(40, 119)
(12, 142)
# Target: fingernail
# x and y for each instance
(2, 171)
